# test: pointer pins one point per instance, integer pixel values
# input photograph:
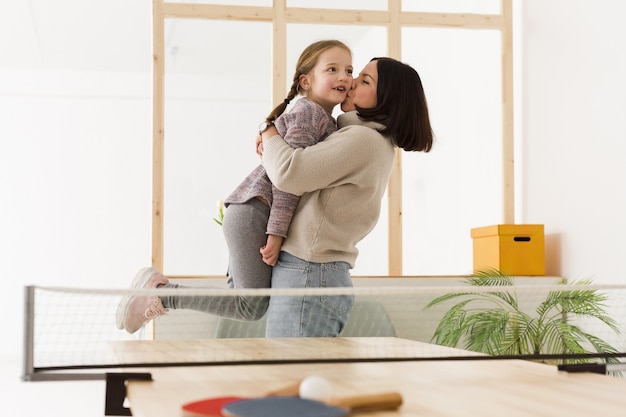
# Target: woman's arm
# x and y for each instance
(332, 162)
(268, 133)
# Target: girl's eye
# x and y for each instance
(332, 69)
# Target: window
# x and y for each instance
(221, 66)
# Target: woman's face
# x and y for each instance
(363, 92)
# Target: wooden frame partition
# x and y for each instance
(394, 19)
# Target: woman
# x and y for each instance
(341, 182)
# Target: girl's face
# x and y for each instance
(363, 93)
(330, 79)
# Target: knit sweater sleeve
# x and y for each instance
(306, 124)
(333, 162)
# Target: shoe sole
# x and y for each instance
(139, 281)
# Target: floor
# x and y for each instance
(45, 398)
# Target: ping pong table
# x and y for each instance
(355, 366)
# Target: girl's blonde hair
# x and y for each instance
(305, 64)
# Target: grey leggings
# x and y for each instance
(244, 230)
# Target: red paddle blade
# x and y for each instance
(209, 407)
(282, 407)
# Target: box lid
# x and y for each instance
(507, 230)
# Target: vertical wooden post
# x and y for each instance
(158, 99)
(279, 53)
(508, 157)
(394, 188)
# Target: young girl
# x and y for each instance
(258, 214)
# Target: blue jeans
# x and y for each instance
(310, 316)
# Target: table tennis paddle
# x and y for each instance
(212, 407)
(208, 407)
(302, 407)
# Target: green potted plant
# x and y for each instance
(495, 324)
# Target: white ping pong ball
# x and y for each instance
(315, 388)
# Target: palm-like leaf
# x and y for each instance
(497, 326)
(450, 329)
(520, 335)
(486, 331)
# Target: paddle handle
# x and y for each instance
(369, 402)
(287, 391)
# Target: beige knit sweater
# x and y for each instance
(342, 181)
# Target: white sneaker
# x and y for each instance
(135, 311)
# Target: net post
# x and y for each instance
(29, 334)
(116, 392)
(596, 368)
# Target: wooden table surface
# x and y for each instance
(431, 388)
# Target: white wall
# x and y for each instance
(75, 169)
(75, 148)
(75, 172)
(574, 136)
(62, 131)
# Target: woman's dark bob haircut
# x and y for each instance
(401, 106)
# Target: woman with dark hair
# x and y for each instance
(341, 181)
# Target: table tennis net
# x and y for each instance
(74, 329)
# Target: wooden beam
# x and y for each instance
(508, 149)
(158, 156)
(330, 16)
(336, 16)
(220, 12)
(454, 20)
(394, 187)
(279, 53)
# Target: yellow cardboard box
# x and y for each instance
(513, 249)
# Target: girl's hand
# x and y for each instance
(271, 250)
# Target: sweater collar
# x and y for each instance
(351, 118)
